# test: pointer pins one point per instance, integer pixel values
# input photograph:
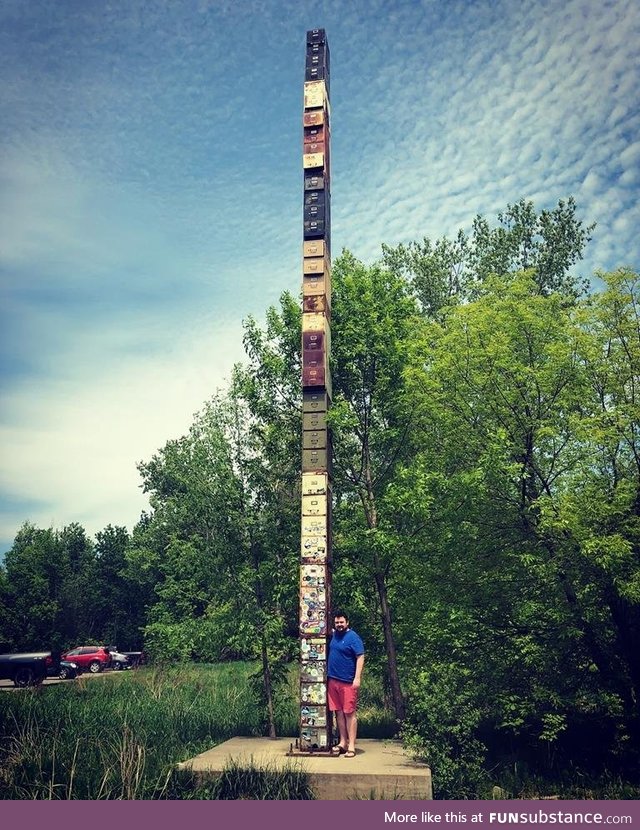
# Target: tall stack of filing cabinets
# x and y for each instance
(315, 559)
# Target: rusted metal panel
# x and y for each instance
(314, 376)
(316, 303)
(314, 134)
(312, 118)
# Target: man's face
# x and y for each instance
(340, 623)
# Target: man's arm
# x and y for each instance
(359, 667)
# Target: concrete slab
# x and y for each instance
(381, 769)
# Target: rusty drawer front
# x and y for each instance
(314, 134)
(313, 341)
(313, 118)
(315, 401)
(315, 484)
(316, 303)
(316, 377)
(314, 421)
(314, 148)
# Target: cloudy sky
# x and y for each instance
(150, 191)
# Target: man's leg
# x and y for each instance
(351, 724)
(342, 729)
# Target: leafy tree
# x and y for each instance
(449, 271)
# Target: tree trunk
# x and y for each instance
(371, 513)
(266, 669)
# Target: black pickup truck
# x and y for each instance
(25, 669)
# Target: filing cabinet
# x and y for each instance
(312, 160)
(315, 402)
(315, 94)
(315, 148)
(315, 376)
(316, 265)
(315, 505)
(313, 671)
(314, 359)
(316, 54)
(315, 228)
(314, 715)
(314, 322)
(316, 248)
(318, 73)
(315, 484)
(315, 180)
(311, 118)
(315, 197)
(316, 461)
(313, 648)
(313, 738)
(314, 134)
(314, 421)
(316, 284)
(314, 525)
(314, 212)
(313, 692)
(316, 36)
(313, 440)
(313, 549)
(315, 303)
(313, 575)
(313, 341)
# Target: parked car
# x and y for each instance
(26, 669)
(119, 661)
(64, 669)
(89, 658)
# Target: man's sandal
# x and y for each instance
(350, 753)
(338, 750)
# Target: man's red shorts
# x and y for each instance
(342, 696)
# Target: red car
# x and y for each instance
(89, 658)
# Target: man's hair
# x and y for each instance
(340, 613)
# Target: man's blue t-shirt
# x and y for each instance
(344, 648)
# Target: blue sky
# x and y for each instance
(151, 196)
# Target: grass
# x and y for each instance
(120, 737)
